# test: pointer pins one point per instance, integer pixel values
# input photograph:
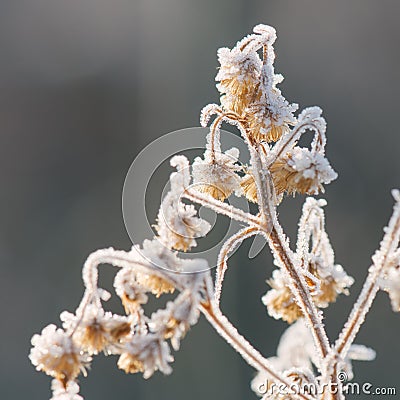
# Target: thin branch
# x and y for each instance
(214, 136)
(282, 252)
(221, 207)
(228, 332)
(116, 258)
(382, 260)
(222, 264)
(290, 139)
(300, 292)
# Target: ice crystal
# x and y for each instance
(391, 284)
(70, 392)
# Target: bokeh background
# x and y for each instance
(86, 84)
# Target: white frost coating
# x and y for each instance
(216, 173)
(391, 284)
(357, 352)
(222, 264)
(68, 393)
(222, 208)
(309, 119)
(207, 112)
(55, 353)
(313, 166)
(381, 262)
(396, 195)
(296, 352)
(125, 284)
(162, 257)
(268, 31)
(296, 347)
(105, 322)
(175, 320)
(53, 342)
(237, 63)
(302, 295)
(177, 223)
(316, 252)
(150, 351)
(277, 105)
(153, 258)
(242, 72)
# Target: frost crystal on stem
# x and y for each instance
(305, 281)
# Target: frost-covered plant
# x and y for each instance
(306, 279)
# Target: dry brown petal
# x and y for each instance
(288, 180)
(284, 305)
(131, 306)
(64, 368)
(119, 331)
(155, 284)
(130, 363)
(217, 192)
(242, 93)
(249, 188)
(93, 338)
(265, 128)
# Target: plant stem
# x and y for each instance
(227, 248)
(382, 260)
(274, 234)
(222, 208)
(228, 332)
(301, 293)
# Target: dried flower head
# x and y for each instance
(263, 125)
(301, 171)
(146, 354)
(216, 173)
(174, 322)
(96, 330)
(333, 281)
(324, 279)
(239, 77)
(55, 353)
(155, 284)
(248, 87)
(316, 253)
(177, 223)
(249, 187)
(127, 287)
(280, 301)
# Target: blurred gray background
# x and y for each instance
(86, 84)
